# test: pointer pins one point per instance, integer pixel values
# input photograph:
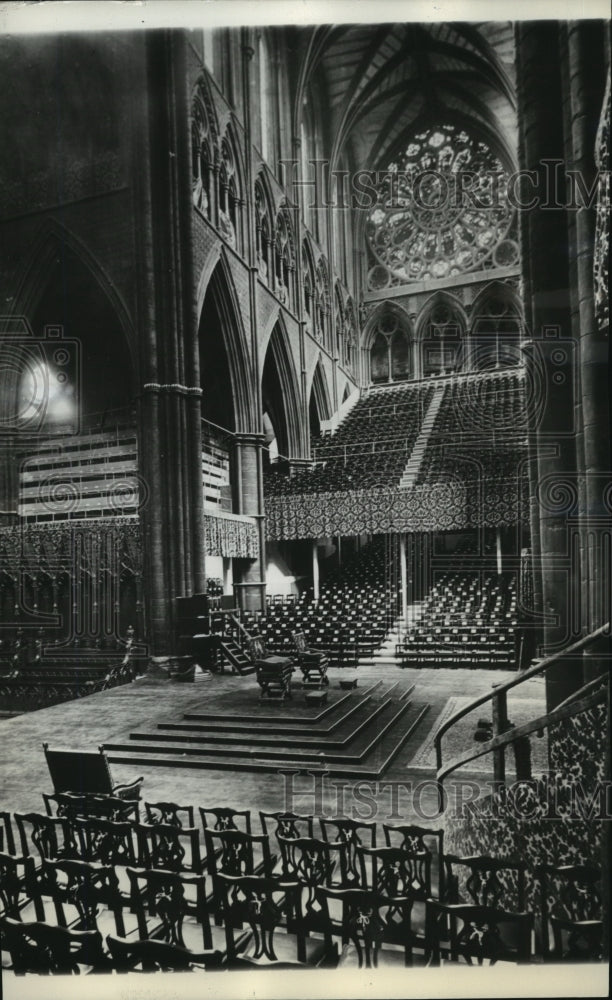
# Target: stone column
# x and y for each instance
(250, 580)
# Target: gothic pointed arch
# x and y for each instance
(264, 228)
(83, 369)
(281, 394)
(319, 392)
(441, 331)
(204, 148)
(225, 362)
(496, 328)
(231, 189)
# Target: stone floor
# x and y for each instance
(112, 715)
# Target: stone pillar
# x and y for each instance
(250, 576)
(170, 452)
(544, 244)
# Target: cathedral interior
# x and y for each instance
(305, 452)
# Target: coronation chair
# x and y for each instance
(273, 672)
(313, 665)
(86, 772)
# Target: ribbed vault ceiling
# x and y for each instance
(377, 83)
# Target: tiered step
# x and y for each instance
(237, 657)
(359, 735)
(413, 465)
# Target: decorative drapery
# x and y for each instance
(231, 535)
(444, 506)
(61, 547)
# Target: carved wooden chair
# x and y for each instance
(233, 852)
(367, 922)
(261, 905)
(349, 835)
(571, 920)
(86, 896)
(420, 841)
(171, 907)
(169, 847)
(313, 664)
(480, 935)
(158, 956)
(486, 881)
(19, 894)
(273, 672)
(288, 825)
(169, 813)
(42, 948)
(71, 805)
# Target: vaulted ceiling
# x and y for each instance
(373, 85)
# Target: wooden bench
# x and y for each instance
(86, 772)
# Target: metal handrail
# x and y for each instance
(498, 698)
(579, 701)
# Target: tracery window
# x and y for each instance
(229, 199)
(442, 210)
(321, 302)
(263, 237)
(350, 335)
(309, 289)
(496, 333)
(390, 358)
(203, 144)
(284, 257)
(442, 340)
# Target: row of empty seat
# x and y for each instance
(100, 884)
(465, 620)
(355, 609)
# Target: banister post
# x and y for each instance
(500, 725)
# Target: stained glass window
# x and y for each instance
(442, 210)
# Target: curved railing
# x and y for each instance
(503, 734)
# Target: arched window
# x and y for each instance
(496, 332)
(390, 355)
(284, 253)
(263, 232)
(203, 146)
(309, 288)
(321, 303)
(442, 210)
(339, 323)
(442, 338)
(350, 336)
(229, 196)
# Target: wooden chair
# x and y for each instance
(225, 818)
(273, 672)
(476, 934)
(262, 904)
(19, 893)
(86, 772)
(106, 841)
(311, 864)
(415, 840)
(85, 895)
(394, 874)
(171, 907)
(313, 664)
(70, 805)
(365, 923)
(171, 848)
(488, 881)
(169, 813)
(6, 831)
(288, 825)
(45, 838)
(571, 927)
(158, 956)
(233, 852)
(350, 835)
(44, 948)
